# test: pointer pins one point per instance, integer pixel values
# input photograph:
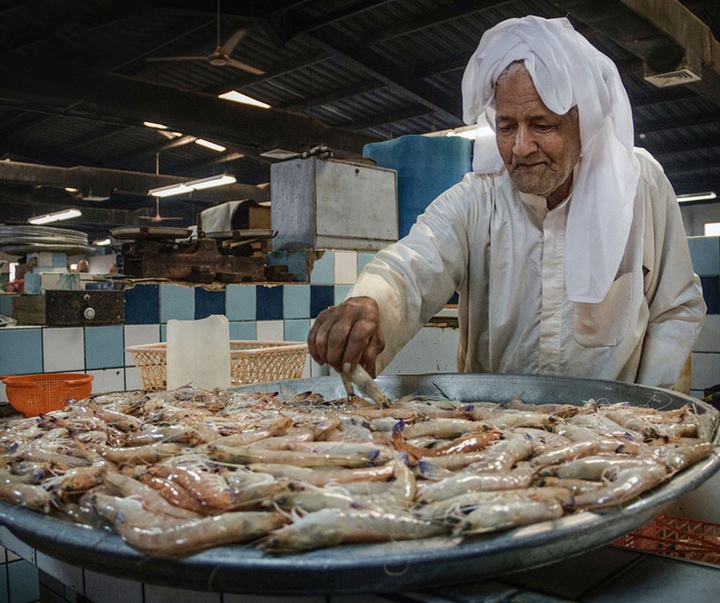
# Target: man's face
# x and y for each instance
(540, 148)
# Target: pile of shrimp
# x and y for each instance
(177, 472)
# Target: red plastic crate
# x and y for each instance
(677, 537)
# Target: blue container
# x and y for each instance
(426, 166)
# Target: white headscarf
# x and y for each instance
(567, 71)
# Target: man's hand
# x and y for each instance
(347, 335)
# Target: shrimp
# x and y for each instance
(460, 483)
(27, 495)
(576, 486)
(625, 444)
(596, 467)
(310, 498)
(331, 527)
(625, 485)
(502, 515)
(465, 443)
(563, 411)
(681, 455)
(210, 489)
(150, 453)
(122, 421)
(327, 476)
(315, 454)
(75, 481)
(174, 493)
(442, 428)
(565, 453)
(165, 537)
(451, 509)
(149, 498)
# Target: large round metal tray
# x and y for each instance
(395, 566)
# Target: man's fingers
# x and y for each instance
(318, 338)
(341, 335)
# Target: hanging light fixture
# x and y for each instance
(64, 214)
(688, 198)
(192, 185)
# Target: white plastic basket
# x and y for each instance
(250, 362)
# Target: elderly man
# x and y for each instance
(565, 244)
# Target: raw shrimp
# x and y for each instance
(162, 536)
(502, 515)
(325, 476)
(466, 443)
(331, 527)
(150, 453)
(315, 454)
(27, 495)
(596, 467)
(624, 485)
(460, 483)
(565, 453)
(149, 498)
(310, 498)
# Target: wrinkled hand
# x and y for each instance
(347, 335)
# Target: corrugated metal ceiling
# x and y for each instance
(376, 69)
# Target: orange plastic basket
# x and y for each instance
(677, 537)
(35, 394)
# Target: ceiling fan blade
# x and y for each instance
(232, 41)
(160, 59)
(244, 66)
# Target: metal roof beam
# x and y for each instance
(56, 89)
(458, 10)
(396, 76)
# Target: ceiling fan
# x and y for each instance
(157, 217)
(221, 55)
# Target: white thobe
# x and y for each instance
(503, 252)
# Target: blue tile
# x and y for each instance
(20, 351)
(363, 259)
(297, 330)
(243, 331)
(176, 303)
(142, 305)
(296, 301)
(269, 302)
(3, 585)
(240, 302)
(208, 303)
(59, 259)
(341, 293)
(321, 297)
(711, 293)
(296, 263)
(6, 304)
(23, 582)
(104, 347)
(323, 270)
(705, 253)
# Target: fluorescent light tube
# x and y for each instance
(210, 145)
(65, 214)
(709, 196)
(151, 124)
(203, 183)
(192, 185)
(239, 97)
(102, 242)
(169, 191)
